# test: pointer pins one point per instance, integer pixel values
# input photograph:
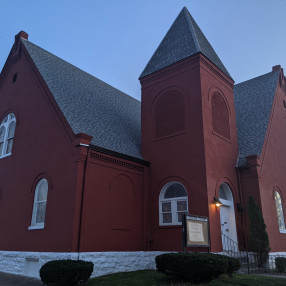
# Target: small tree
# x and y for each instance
(258, 237)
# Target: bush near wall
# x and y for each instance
(280, 263)
(66, 272)
(196, 267)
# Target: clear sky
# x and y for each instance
(114, 39)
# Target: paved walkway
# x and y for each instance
(15, 280)
(271, 275)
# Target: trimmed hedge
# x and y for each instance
(66, 272)
(280, 263)
(196, 267)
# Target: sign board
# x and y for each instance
(196, 231)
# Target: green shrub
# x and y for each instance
(258, 237)
(233, 265)
(280, 263)
(66, 272)
(196, 267)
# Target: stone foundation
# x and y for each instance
(29, 263)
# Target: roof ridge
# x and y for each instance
(259, 76)
(183, 39)
(141, 75)
(195, 38)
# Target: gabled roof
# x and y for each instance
(253, 103)
(183, 40)
(91, 106)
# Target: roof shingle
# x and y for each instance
(253, 103)
(183, 40)
(90, 105)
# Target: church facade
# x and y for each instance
(88, 171)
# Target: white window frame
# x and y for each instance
(278, 205)
(174, 212)
(6, 123)
(34, 224)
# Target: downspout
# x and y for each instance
(82, 198)
(243, 209)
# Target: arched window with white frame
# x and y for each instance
(7, 130)
(279, 210)
(40, 203)
(173, 202)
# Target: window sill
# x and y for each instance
(170, 226)
(5, 155)
(283, 231)
(31, 227)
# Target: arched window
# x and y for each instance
(40, 202)
(173, 203)
(279, 210)
(7, 130)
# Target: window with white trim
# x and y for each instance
(40, 202)
(279, 210)
(173, 202)
(7, 130)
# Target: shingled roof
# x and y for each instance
(90, 105)
(253, 104)
(183, 40)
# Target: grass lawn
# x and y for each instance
(153, 278)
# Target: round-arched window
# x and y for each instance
(7, 130)
(40, 203)
(173, 202)
(279, 210)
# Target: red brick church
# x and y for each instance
(88, 171)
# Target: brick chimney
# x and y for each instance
(276, 68)
(23, 35)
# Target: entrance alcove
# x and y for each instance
(227, 218)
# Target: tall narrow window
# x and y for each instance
(7, 130)
(173, 203)
(279, 210)
(2, 136)
(40, 202)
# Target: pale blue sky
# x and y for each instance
(114, 39)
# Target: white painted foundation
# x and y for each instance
(277, 253)
(29, 263)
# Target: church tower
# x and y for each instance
(188, 133)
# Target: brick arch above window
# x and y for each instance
(41, 175)
(220, 115)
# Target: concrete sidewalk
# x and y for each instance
(271, 275)
(15, 280)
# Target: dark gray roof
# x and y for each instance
(183, 40)
(253, 104)
(91, 106)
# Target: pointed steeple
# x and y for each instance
(183, 40)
